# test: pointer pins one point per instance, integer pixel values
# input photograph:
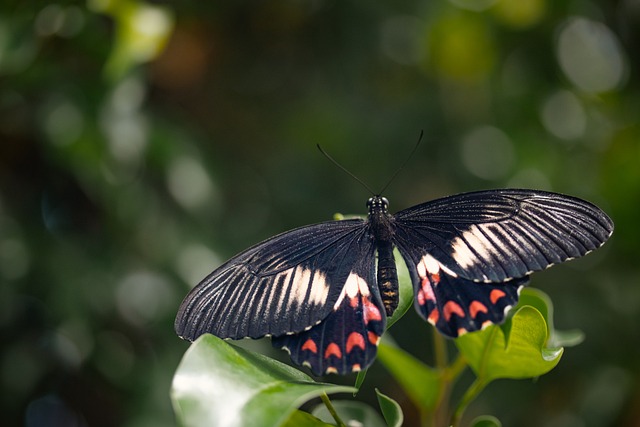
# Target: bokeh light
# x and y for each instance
(144, 143)
(591, 55)
(488, 153)
(564, 116)
(520, 14)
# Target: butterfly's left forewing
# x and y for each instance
(283, 285)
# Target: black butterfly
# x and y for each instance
(315, 289)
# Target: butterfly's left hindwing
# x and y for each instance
(283, 285)
(347, 339)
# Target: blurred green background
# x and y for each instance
(141, 144)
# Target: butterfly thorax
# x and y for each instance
(379, 219)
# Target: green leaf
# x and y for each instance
(219, 384)
(405, 290)
(351, 413)
(421, 382)
(541, 301)
(486, 421)
(304, 419)
(515, 351)
(391, 410)
(359, 380)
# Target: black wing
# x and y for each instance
(347, 339)
(469, 255)
(497, 235)
(283, 285)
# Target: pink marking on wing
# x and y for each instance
(373, 338)
(310, 345)
(427, 289)
(434, 316)
(421, 299)
(436, 278)
(451, 308)
(477, 307)
(495, 295)
(355, 339)
(370, 311)
(333, 350)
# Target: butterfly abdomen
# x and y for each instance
(387, 277)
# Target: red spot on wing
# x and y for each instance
(435, 278)
(434, 316)
(355, 339)
(353, 302)
(370, 311)
(428, 290)
(333, 350)
(310, 345)
(373, 338)
(451, 308)
(495, 295)
(477, 307)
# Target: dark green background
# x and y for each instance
(125, 179)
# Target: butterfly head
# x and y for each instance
(378, 205)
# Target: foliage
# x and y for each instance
(142, 143)
(219, 384)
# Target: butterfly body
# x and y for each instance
(321, 295)
(381, 229)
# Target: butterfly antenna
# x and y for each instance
(345, 169)
(404, 163)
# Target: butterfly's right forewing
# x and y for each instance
(497, 235)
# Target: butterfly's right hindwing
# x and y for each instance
(283, 285)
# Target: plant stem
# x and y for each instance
(440, 350)
(332, 410)
(472, 392)
(455, 369)
(440, 413)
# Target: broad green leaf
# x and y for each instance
(405, 290)
(360, 379)
(517, 351)
(351, 412)
(421, 382)
(391, 410)
(220, 384)
(486, 421)
(304, 419)
(541, 301)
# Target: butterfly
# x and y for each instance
(323, 292)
